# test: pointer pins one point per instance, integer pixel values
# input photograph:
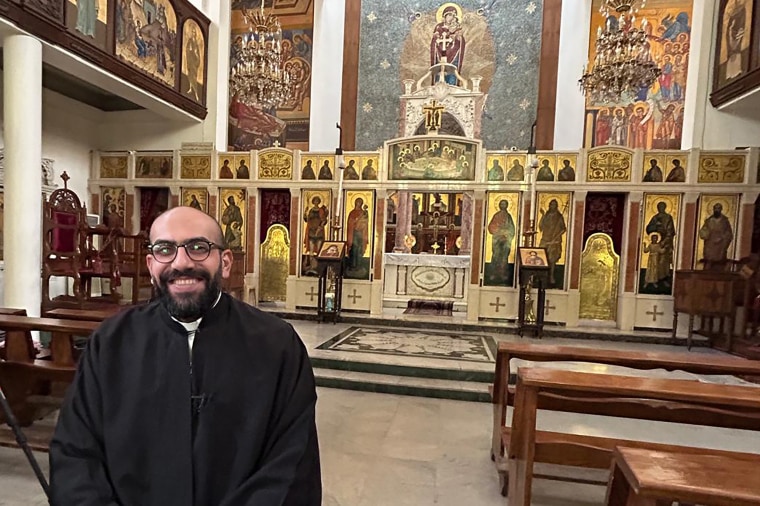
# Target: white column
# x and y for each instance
(573, 55)
(326, 74)
(22, 117)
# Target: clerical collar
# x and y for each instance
(193, 326)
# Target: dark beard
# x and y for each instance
(189, 307)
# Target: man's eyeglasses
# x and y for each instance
(198, 250)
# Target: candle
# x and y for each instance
(341, 164)
(533, 167)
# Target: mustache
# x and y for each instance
(173, 274)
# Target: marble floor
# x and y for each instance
(381, 449)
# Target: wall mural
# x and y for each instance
(360, 209)
(653, 119)
(196, 198)
(113, 201)
(316, 227)
(734, 36)
(717, 218)
(433, 159)
(659, 240)
(502, 220)
(113, 167)
(552, 223)
(232, 209)
(234, 165)
(193, 58)
(89, 18)
(146, 35)
(500, 41)
(664, 167)
(253, 127)
(153, 167)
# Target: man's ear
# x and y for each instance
(226, 263)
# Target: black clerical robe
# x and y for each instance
(143, 426)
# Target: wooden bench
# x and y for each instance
(650, 478)
(32, 385)
(622, 396)
(696, 363)
(88, 315)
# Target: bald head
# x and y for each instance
(178, 219)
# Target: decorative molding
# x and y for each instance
(47, 174)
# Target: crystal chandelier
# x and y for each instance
(623, 63)
(258, 76)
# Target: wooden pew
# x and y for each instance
(622, 396)
(696, 363)
(87, 315)
(649, 478)
(27, 381)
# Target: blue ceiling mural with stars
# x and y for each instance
(501, 42)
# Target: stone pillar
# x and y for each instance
(466, 231)
(22, 97)
(403, 221)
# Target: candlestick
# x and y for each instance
(533, 168)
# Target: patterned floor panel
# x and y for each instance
(408, 342)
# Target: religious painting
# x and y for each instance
(243, 166)
(113, 167)
(533, 257)
(567, 164)
(154, 166)
(370, 166)
(653, 117)
(309, 167)
(734, 36)
(325, 167)
(609, 165)
(495, 167)
(718, 216)
(433, 159)
(491, 43)
(251, 126)
(659, 243)
(193, 62)
(113, 204)
(600, 269)
(226, 166)
(146, 37)
(275, 164)
(552, 223)
(547, 166)
(358, 224)
(502, 222)
(721, 168)
(516, 167)
(233, 208)
(332, 249)
(196, 198)
(316, 227)
(675, 168)
(353, 168)
(153, 202)
(653, 171)
(88, 19)
(275, 259)
(195, 167)
(50, 8)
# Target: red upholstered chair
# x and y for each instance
(69, 248)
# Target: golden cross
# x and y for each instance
(433, 115)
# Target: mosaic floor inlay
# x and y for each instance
(474, 347)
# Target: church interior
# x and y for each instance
(466, 209)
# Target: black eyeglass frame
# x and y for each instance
(211, 247)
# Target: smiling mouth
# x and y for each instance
(185, 281)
